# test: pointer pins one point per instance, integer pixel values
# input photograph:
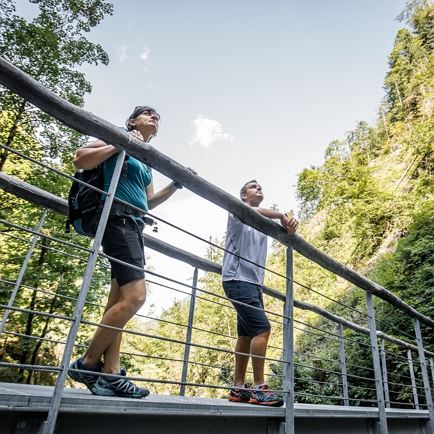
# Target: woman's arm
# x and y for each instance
(91, 155)
(155, 199)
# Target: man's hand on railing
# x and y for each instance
(289, 223)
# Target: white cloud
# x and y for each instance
(145, 56)
(121, 51)
(207, 131)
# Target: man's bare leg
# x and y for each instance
(262, 394)
(241, 362)
(258, 347)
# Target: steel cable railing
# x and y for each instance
(322, 332)
(48, 167)
(123, 353)
(42, 235)
(156, 319)
(134, 378)
(31, 231)
(144, 316)
(306, 325)
(50, 248)
(303, 324)
(74, 299)
(338, 302)
(132, 332)
(208, 242)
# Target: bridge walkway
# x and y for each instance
(24, 407)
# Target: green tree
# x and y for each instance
(49, 49)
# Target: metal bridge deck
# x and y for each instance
(23, 407)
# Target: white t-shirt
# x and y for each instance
(247, 242)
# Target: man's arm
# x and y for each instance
(289, 224)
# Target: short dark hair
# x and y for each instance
(244, 187)
(137, 112)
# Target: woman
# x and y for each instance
(122, 240)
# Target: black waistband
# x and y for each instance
(122, 209)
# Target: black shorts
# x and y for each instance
(250, 322)
(123, 240)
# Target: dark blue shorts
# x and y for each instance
(123, 240)
(250, 322)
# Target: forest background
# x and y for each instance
(370, 205)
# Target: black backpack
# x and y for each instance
(84, 203)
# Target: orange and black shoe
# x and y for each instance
(261, 395)
(239, 395)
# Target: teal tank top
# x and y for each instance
(135, 177)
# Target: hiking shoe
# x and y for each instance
(261, 395)
(122, 387)
(239, 395)
(84, 377)
(103, 389)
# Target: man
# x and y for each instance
(242, 282)
(123, 241)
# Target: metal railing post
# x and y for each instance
(413, 379)
(384, 372)
(288, 345)
(424, 370)
(189, 333)
(431, 362)
(344, 377)
(376, 362)
(22, 272)
(50, 423)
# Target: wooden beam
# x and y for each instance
(33, 194)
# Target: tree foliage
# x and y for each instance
(370, 205)
(49, 48)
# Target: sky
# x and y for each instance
(245, 89)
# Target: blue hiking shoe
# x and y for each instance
(261, 395)
(238, 394)
(121, 387)
(86, 378)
